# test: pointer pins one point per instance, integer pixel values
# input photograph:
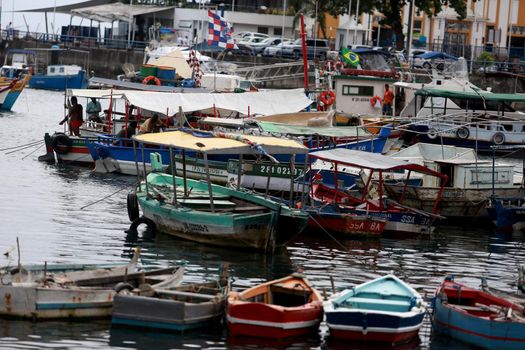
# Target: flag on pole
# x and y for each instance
(350, 57)
(219, 32)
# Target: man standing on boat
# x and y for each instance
(388, 100)
(93, 110)
(75, 117)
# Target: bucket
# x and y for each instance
(147, 70)
(166, 73)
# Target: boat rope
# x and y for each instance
(109, 195)
(236, 137)
(19, 146)
(329, 235)
(33, 151)
(25, 147)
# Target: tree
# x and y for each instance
(392, 10)
(311, 8)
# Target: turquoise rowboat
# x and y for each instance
(200, 211)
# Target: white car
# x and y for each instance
(276, 49)
(259, 47)
(249, 41)
(244, 36)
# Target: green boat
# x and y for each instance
(200, 211)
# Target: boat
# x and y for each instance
(180, 308)
(477, 317)
(366, 197)
(283, 308)
(207, 213)
(471, 181)
(507, 213)
(14, 76)
(385, 310)
(60, 77)
(10, 90)
(73, 291)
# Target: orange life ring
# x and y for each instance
(374, 100)
(150, 78)
(327, 97)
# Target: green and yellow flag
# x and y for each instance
(350, 57)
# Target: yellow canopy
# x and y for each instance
(222, 145)
(175, 60)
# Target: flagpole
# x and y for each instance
(349, 22)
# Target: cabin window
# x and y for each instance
(351, 90)
(52, 70)
(507, 127)
(61, 70)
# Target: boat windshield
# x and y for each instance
(456, 69)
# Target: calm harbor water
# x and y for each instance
(43, 204)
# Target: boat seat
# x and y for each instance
(375, 302)
(248, 208)
(193, 202)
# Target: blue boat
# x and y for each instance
(60, 77)
(477, 317)
(385, 310)
(113, 155)
(507, 213)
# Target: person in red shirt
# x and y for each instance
(388, 100)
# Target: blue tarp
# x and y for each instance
(437, 55)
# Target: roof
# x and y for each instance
(116, 11)
(437, 55)
(471, 95)
(66, 8)
(206, 142)
(372, 161)
(341, 131)
(96, 93)
(256, 103)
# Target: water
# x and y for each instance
(42, 205)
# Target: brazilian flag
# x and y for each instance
(350, 57)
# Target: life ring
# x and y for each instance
(151, 78)
(432, 133)
(463, 133)
(327, 97)
(374, 100)
(498, 138)
(133, 206)
(61, 143)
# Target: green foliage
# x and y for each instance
(485, 59)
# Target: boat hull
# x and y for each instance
(59, 82)
(346, 224)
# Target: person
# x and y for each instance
(93, 110)
(151, 125)
(388, 99)
(74, 117)
(126, 133)
(9, 31)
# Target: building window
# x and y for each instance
(262, 30)
(355, 90)
(277, 31)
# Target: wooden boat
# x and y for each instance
(56, 292)
(368, 200)
(60, 77)
(180, 308)
(469, 187)
(508, 214)
(478, 317)
(382, 310)
(10, 90)
(213, 214)
(282, 308)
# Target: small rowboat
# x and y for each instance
(383, 310)
(478, 317)
(282, 308)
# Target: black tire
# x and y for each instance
(498, 138)
(151, 230)
(61, 143)
(463, 133)
(119, 287)
(133, 206)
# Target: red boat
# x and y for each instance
(282, 308)
(346, 223)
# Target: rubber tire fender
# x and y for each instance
(61, 143)
(119, 287)
(498, 138)
(463, 133)
(133, 206)
(142, 220)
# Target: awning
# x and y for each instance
(174, 59)
(471, 95)
(256, 103)
(116, 11)
(96, 93)
(67, 8)
(437, 55)
(203, 142)
(372, 161)
(285, 129)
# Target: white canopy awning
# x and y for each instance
(256, 103)
(116, 11)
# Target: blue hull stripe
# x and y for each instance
(373, 320)
(70, 306)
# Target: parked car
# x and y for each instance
(432, 59)
(259, 47)
(250, 40)
(245, 36)
(315, 48)
(276, 50)
(243, 50)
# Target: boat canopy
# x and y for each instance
(230, 122)
(432, 55)
(222, 143)
(372, 161)
(471, 95)
(253, 103)
(341, 131)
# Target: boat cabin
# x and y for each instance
(63, 69)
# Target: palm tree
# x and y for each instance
(313, 8)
